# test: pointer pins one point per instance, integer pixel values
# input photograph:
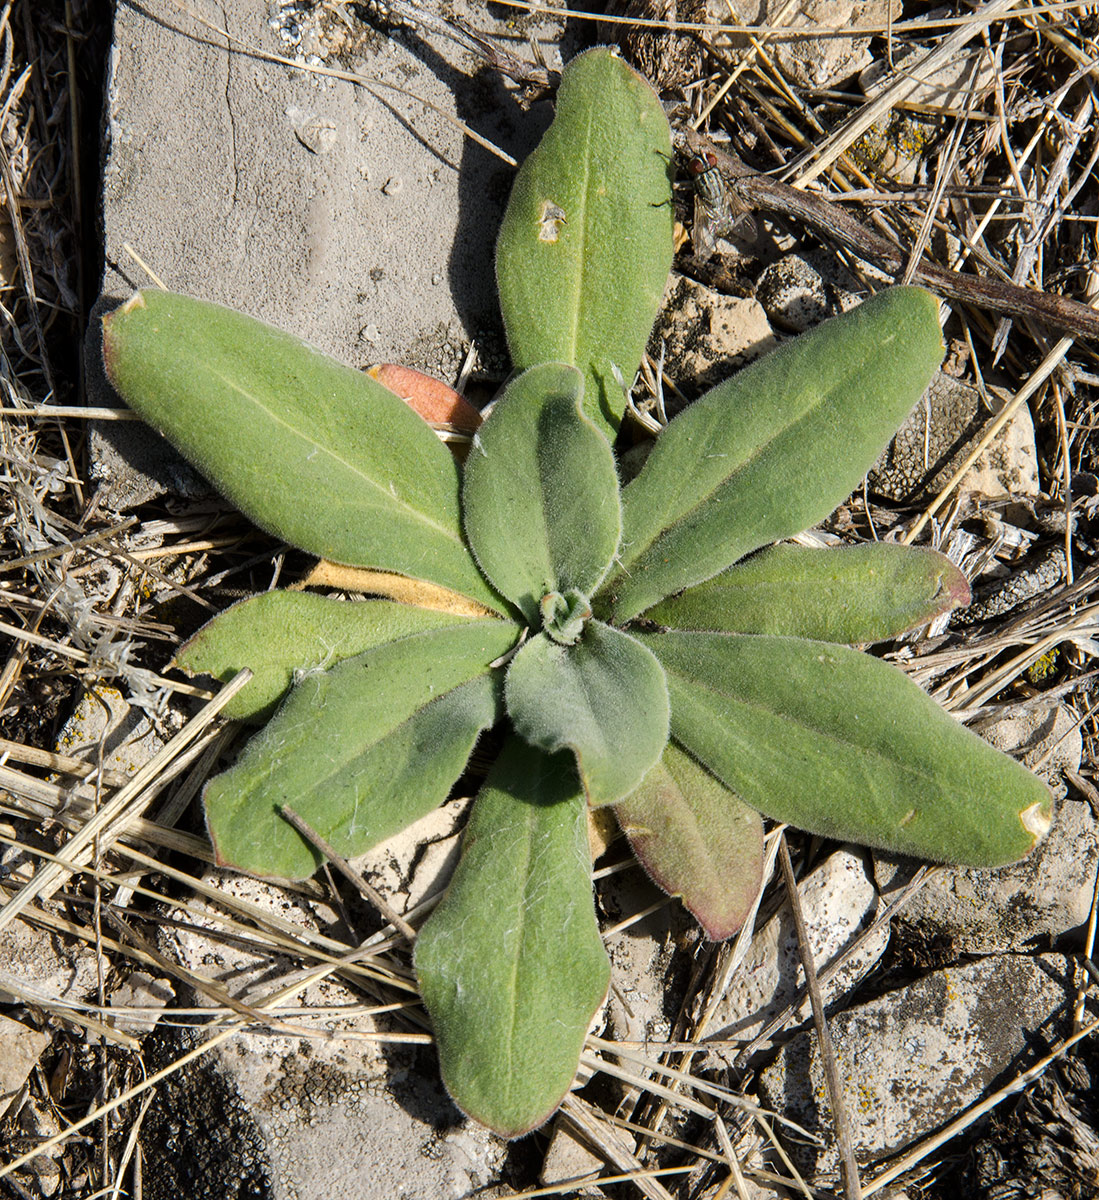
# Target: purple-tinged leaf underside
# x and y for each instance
(696, 840)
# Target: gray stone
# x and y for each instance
(21, 1046)
(35, 966)
(913, 1059)
(272, 190)
(140, 991)
(939, 434)
(796, 297)
(568, 1159)
(418, 862)
(812, 62)
(838, 901)
(105, 728)
(1029, 904)
(336, 1114)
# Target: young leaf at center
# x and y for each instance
(540, 494)
(604, 698)
(511, 965)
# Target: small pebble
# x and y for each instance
(392, 186)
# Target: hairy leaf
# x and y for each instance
(511, 965)
(586, 242)
(696, 840)
(360, 751)
(843, 745)
(774, 449)
(604, 698)
(310, 450)
(848, 594)
(278, 634)
(540, 495)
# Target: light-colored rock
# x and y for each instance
(21, 1046)
(709, 336)
(1008, 467)
(809, 61)
(913, 1059)
(140, 991)
(939, 434)
(1029, 904)
(950, 86)
(1046, 738)
(105, 728)
(796, 297)
(35, 966)
(838, 901)
(644, 961)
(418, 862)
(568, 1159)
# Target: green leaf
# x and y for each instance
(511, 965)
(310, 450)
(843, 745)
(603, 698)
(540, 495)
(278, 634)
(848, 594)
(774, 449)
(360, 751)
(586, 242)
(696, 840)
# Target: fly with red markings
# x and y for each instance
(716, 211)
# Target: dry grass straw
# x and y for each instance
(1009, 167)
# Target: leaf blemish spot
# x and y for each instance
(550, 218)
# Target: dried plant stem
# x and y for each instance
(849, 1168)
(368, 892)
(760, 192)
(129, 802)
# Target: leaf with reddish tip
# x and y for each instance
(696, 840)
(437, 402)
(848, 594)
(843, 745)
(511, 964)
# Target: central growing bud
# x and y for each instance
(563, 616)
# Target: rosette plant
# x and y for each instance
(644, 647)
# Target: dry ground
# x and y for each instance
(1005, 188)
